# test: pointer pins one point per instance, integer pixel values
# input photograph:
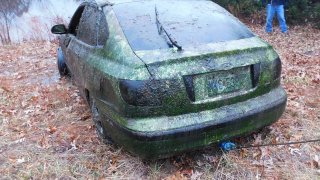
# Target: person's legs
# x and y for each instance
(270, 14)
(281, 18)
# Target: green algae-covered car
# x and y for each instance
(162, 77)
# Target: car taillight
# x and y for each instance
(255, 74)
(143, 93)
(276, 68)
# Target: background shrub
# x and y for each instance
(297, 11)
(240, 7)
(315, 14)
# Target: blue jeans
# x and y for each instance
(271, 10)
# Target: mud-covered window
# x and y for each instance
(74, 23)
(103, 32)
(88, 26)
(190, 23)
(93, 27)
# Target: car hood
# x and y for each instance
(170, 63)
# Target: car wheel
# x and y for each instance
(97, 119)
(62, 66)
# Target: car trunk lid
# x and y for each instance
(168, 63)
(227, 68)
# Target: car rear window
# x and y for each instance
(188, 22)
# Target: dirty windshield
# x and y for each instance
(191, 23)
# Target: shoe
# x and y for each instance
(286, 33)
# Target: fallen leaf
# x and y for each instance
(22, 160)
(211, 159)
(294, 151)
(196, 175)
(52, 129)
(187, 172)
(176, 176)
(316, 162)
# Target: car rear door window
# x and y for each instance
(93, 27)
(88, 27)
(103, 32)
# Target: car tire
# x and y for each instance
(62, 66)
(97, 120)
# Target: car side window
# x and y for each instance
(103, 32)
(88, 26)
(74, 23)
(93, 27)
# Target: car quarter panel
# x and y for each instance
(116, 58)
(107, 65)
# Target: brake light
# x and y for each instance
(143, 93)
(276, 68)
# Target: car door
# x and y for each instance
(83, 42)
(93, 77)
(68, 38)
(91, 35)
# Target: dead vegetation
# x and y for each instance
(46, 129)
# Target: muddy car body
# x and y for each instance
(156, 99)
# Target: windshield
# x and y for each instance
(190, 23)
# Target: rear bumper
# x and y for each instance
(159, 137)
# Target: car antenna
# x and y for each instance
(161, 29)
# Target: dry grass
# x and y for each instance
(46, 130)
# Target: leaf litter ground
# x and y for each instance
(46, 129)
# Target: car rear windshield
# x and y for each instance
(190, 23)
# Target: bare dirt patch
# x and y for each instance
(46, 129)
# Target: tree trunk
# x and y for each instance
(7, 28)
(2, 40)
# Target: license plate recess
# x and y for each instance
(220, 83)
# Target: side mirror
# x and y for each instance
(59, 29)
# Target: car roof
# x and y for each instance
(115, 2)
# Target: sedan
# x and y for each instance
(164, 77)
